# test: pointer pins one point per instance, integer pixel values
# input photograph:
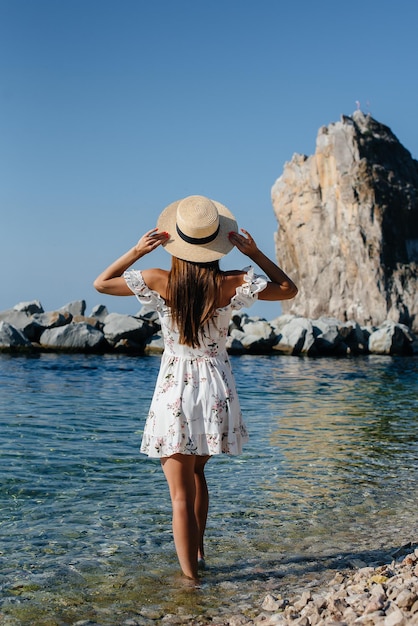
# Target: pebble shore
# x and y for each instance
(383, 596)
(386, 595)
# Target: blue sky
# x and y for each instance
(112, 109)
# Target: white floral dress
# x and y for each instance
(195, 407)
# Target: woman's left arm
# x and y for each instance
(280, 287)
(111, 280)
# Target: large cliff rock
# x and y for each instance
(348, 225)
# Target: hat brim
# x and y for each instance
(198, 253)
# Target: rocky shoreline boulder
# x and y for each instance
(12, 338)
(68, 330)
(78, 337)
(126, 331)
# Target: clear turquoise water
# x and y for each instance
(331, 469)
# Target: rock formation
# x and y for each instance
(348, 225)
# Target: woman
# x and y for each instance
(195, 411)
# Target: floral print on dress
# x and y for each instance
(195, 407)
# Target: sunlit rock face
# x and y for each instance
(348, 225)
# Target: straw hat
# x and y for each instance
(198, 229)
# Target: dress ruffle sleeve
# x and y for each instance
(248, 292)
(144, 294)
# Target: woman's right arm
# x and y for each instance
(111, 280)
(280, 287)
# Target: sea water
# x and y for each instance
(331, 470)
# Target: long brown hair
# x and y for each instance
(192, 294)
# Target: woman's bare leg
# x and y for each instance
(179, 471)
(201, 506)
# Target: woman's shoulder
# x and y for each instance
(156, 279)
(231, 280)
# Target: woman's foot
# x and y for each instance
(190, 583)
(201, 564)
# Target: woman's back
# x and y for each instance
(157, 280)
(239, 289)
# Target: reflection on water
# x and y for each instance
(331, 468)
(346, 435)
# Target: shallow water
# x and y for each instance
(331, 470)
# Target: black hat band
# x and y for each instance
(197, 240)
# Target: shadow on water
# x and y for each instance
(299, 565)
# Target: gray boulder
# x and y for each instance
(258, 335)
(328, 339)
(100, 312)
(52, 319)
(355, 338)
(11, 337)
(295, 337)
(93, 321)
(233, 343)
(239, 319)
(29, 307)
(148, 314)
(39, 322)
(236, 338)
(391, 338)
(279, 322)
(73, 337)
(18, 319)
(118, 327)
(23, 322)
(77, 307)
